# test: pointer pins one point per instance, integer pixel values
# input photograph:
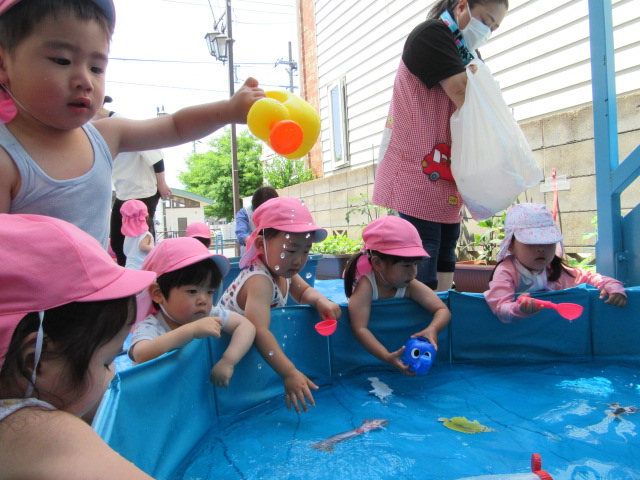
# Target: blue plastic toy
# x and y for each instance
(419, 354)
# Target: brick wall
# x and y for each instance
(309, 72)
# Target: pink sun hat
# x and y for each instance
(134, 218)
(531, 224)
(71, 267)
(176, 253)
(286, 214)
(198, 229)
(391, 235)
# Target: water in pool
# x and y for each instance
(564, 412)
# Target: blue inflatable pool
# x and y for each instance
(160, 414)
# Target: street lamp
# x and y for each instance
(221, 47)
(217, 43)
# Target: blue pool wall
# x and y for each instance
(155, 414)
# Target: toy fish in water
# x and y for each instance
(380, 389)
(619, 410)
(368, 425)
(461, 424)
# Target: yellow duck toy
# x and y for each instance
(285, 122)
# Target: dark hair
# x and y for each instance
(350, 269)
(261, 195)
(441, 5)
(20, 20)
(204, 272)
(558, 265)
(73, 332)
(205, 241)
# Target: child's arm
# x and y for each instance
(427, 298)
(9, 181)
(359, 312)
(146, 350)
(186, 125)
(501, 296)
(610, 288)
(258, 310)
(56, 444)
(242, 334)
(305, 294)
(146, 244)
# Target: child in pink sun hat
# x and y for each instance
(530, 260)
(138, 240)
(386, 268)
(65, 311)
(277, 250)
(200, 231)
(187, 275)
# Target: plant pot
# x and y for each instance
(331, 266)
(472, 276)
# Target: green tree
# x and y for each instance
(282, 172)
(209, 174)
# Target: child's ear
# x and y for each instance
(260, 243)
(376, 263)
(156, 293)
(3, 68)
(27, 350)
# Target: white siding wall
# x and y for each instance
(540, 55)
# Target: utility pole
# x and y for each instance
(293, 66)
(235, 175)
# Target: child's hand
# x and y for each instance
(221, 373)
(206, 327)
(615, 299)
(527, 304)
(393, 359)
(328, 309)
(430, 333)
(296, 388)
(243, 100)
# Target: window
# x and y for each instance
(338, 122)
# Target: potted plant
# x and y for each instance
(473, 273)
(336, 251)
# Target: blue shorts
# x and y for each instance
(440, 241)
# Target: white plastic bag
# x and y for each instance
(491, 160)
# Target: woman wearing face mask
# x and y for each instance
(414, 173)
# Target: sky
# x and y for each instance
(159, 57)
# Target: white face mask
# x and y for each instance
(475, 34)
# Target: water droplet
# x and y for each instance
(282, 255)
(301, 202)
(287, 236)
(283, 310)
(277, 267)
(307, 235)
(271, 353)
(308, 275)
(259, 366)
(284, 245)
(285, 335)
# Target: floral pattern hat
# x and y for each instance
(531, 224)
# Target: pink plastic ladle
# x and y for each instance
(327, 327)
(570, 311)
